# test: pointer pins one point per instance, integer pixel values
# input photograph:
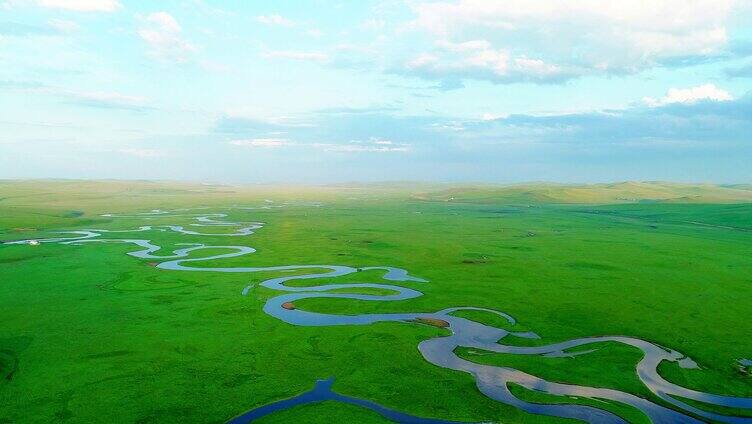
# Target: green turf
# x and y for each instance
(89, 334)
(611, 365)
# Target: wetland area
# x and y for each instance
(393, 307)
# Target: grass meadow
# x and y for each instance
(89, 334)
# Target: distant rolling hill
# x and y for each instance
(624, 192)
(104, 195)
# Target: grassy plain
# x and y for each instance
(88, 334)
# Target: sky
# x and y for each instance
(317, 91)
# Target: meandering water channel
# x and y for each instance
(492, 381)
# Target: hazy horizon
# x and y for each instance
(392, 183)
(319, 93)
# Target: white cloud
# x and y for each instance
(163, 35)
(297, 55)
(690, 95)
(262, 142)
(587, 36)
(479, 60)
(493, 116)
(275, 19)
(81, 5)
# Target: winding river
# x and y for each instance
(492, 381)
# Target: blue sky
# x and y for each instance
(326, 91)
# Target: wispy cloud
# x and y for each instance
(93, 99)
(163, 35)
(373, 24)
(108, 100)
(81, 5)
(276, 20)
(374, 145)
(21, 85)
(209, 9)
(360, 110)
(240, 122)
(308, 56)
(262, 142)
(64, 25)
(15, 29)
(54, 27)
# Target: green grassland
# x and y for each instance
(89, 334)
